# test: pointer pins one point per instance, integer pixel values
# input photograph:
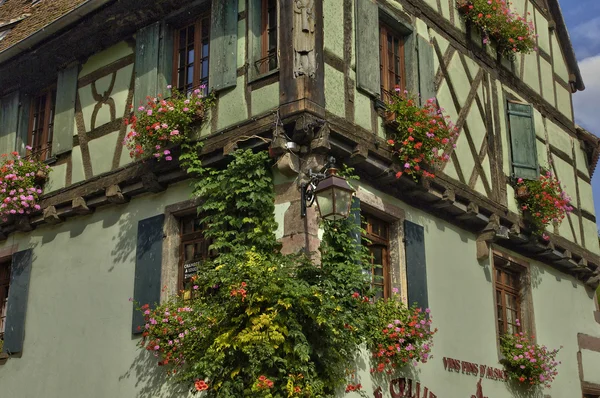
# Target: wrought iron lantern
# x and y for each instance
(332, 193)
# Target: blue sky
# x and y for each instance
(583, 22)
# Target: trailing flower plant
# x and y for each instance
(264, 324)
(528, 363)
(400, 335)
(20, 184)
(422, 135)
(165, 122)
(544, 200)
(511, 31)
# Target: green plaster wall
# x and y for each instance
(105, 57)
(560, 66)
(77, 161)
(456, 280)
(531, 75)
(56, 179)
(541, 24)
(563, 98)
(547, 81)
(334, 92)
(232, 105)
(362, 109)
(265, 99)
(333, 22)
(102, 151)
(78, 338)
(590, 230)
(591, 360)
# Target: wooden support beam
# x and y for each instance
(151, 184)
(50, 215)
(22, 223)
(79, 206)
(321, 144)
(359, 155)
(516, 236)
(471, 213)
(114, 195)
(448, 198)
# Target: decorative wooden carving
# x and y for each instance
(50, 215)
(114, 195)
(150, 182)
(304, 38)
(80, 207)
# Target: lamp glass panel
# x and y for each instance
(343, 200)
(325, 202)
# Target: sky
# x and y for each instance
(583, 22)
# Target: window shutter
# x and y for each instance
(64, 116)
(146, 63)
(416, 267)
(522, 141)
(9, 116)
(23, 127)
(426, 70)
(223, 45)
(356, 220)
(18, 292)
(367, 47)
(148, 263)
(165, 59)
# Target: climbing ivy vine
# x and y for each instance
(260, 323)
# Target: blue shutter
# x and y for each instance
(367, 47)
(223, 45)
(148, 264)
(522, 141)
(416, 266)
(18, 292)
(66, 95)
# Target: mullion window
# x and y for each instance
(507, 285)
(193, 249)
(268, 34)
(41, 124)
(192, 55)
(376, 233)
(391, 57)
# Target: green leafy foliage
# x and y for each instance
(260, 323)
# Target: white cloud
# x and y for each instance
(587, 102)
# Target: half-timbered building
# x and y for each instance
(304, 79)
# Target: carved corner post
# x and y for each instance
(301, 81)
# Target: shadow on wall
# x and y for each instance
(384, 381)
(151, 380)
(126, 239)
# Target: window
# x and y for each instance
(193, 250)
(268, 37)
(4, 282)
(523, 143)
(377, 235)
(391, 61)
(191, 45)
(512, 295)
(41, 124)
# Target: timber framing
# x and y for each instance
(442, 197)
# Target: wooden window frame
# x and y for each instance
(266, 53)
(42, 149)
(194, 237)
(381, 241)
(525, 311)
(5, 265)
(197, 81)
(386, 85)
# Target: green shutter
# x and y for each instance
(426, 70)
(18, 293)
(66, 95)
(9, 119)
(23, 127)
(165, 59)
(146, 63)
(367, 47)
(223, 45)
(522, 141)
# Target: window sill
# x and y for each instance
(254, 79)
